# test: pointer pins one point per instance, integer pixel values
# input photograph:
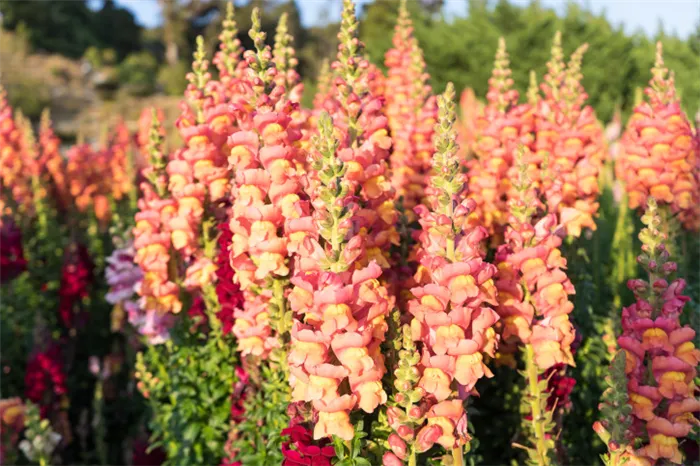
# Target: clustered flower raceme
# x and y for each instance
(339, 305)
(158, 293)
(339, 314)
(265, 193)
(452, 321)
(12, 423)
(364, 142)
(411, 113)
(499, 128)
(533, 288)
(469, 109)
(569, 143)
(12, 159)
(119, 158)
(659, 152)
(12, 260)
(53, 162)
(76, 276)
(197, 173)
(143, 134)
(661, 358)
(228, 58)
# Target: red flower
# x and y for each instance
(229, 293)
(141, 456)
(12, 261)
(559, 387)
(76, 275)
(301, 450)
(45, 377)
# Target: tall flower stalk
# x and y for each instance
(501, 127)
(660, 357)
(659, 155)
(452, 316)
(534, 306)
(411, 111)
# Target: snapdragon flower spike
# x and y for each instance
(159, 294)
(500, 128)
(196, 172)
(469, 109)
(52, 161)
(363, 137)
(118, 148)
(143, 134)
(661, 358)
(286, 61)
(533, 288)
(452, 317)
(569, 142)
(339, 305)
(267, 165)
(11, 156)
(411, 111)
(659, 153)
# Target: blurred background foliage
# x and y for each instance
(119, 59)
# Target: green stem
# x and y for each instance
(535, 398)
(412, 461)
(457, 456)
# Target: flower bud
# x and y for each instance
(397, 445)
(390, 459)
(427, 437)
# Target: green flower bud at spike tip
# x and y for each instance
(230, 45)
(533, 91)
(446, 167)
(555, 65)
(501, 79)
(283, 40)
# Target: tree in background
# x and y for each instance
(69, 28)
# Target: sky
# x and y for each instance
(677, 16)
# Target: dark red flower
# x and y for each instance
(76, 275)
(198, 315)
(229, 294)
(559, 387)
(44, 379)
(141, 458)
(238, 395)
(302, 450)
(12, 261)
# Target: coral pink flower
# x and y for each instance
(266, 193)
(411, 113)
(569, 143)
(659, 153)
(533, 287)
(500, 127)
(452, 315)
(338, 303)
(656, 345)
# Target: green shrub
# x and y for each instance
(137, 73)
(172, 78)
(30, 96)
